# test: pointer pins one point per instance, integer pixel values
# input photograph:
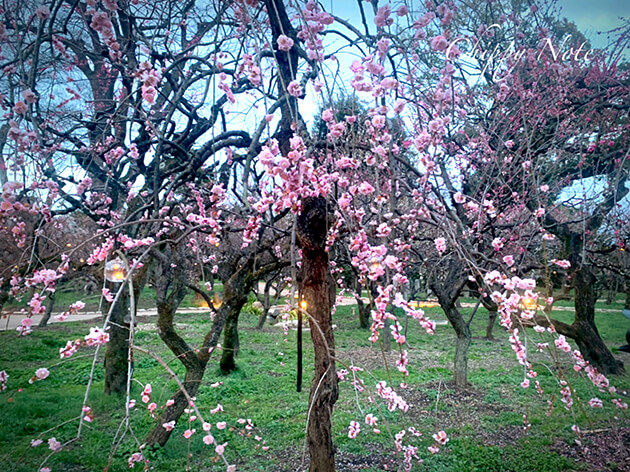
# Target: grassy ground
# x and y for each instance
(484, 422)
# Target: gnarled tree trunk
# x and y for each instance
(447, 289)
(235, 289)
(586, 335)
(318, 291)
(195, 364)
(230, 333)
(462, 342)
(49, 309)
(364, 313)
(583, 329)
(116, 353)
(492, 318)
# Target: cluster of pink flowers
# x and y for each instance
(88, 414)
(440, 439)
(21, 106)
(562, 344)
(150, 79)
(69, 349)
(284, 43)
(394, 401)
(315, 22)
(25, 326)
(130, 243)
(84, 185)
(372, 421)
(46, 277)
(4, 377)
(134, 458)
(54, 445)
(382, 17)
(96, 337)
(354, 429)
(415, 313)
(294, 88)
(567, 398)
(440, 245)
(102, 24)
(561, 263)
(100, 253)
(146, 393)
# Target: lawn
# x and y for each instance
(484, 422)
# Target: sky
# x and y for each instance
(592, 16)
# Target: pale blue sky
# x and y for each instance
(592, 16)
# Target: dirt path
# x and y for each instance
(10, 321)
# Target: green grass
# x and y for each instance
(484, 423)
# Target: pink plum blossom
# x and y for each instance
(220, 448)
(441, 437)
(295, 89)
(402, 10)
(440, 245)
(96, 337)
(439, 43)
(54, 445)
(354, 429)
(284, 43)
(41, 373)
(20, 107)
(561, 263)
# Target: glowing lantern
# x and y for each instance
(217, 300)
(116, 270)
(376, 265)
(528, 303)
(303, 305)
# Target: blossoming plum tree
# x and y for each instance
(179, 129)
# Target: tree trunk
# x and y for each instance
(318, 291)
(4, 296)
(266, 305)
(386, 339)
(118, 345)
(364, 313)
(587, 337)
(460, 367)
(262, 318)
(626, 305)
(447, 296)
(44, 321)
(583, 329)
(158, 436)
(195, 364)
(492, 317)
(230, 343)
(613, 287)
(462, 344)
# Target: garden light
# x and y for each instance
(528, 303)
(116, 270)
